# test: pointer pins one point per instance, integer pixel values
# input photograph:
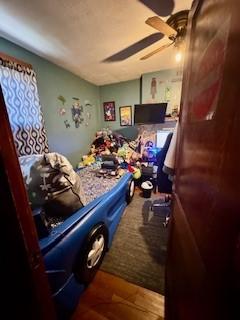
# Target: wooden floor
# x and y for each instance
(110, 297)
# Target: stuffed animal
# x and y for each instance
(93, 149)
(135, 157)
(122, 153)
(88, 160)
(137, 173)
(98, 141)
(145, 155)
(133, 144)
(106, 151)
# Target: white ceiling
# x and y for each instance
(80, 34)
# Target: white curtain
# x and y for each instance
(20, 93)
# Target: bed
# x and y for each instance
(73, 244)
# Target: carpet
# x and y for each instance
(138, 251)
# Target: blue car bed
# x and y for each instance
(73, 242)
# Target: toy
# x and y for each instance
(88, 160)
(137, 173)
(135, 157)
(105, 152)
(93, 149)
(122, 153)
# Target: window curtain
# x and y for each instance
(20, 93)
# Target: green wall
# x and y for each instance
(125, 93)
(168, 88)
(128, 93)
(52, 82)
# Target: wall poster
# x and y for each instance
(125, 115)
(109, 111)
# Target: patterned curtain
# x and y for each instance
(20, 93)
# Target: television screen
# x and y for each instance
(150, 113)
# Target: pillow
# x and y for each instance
(52, 183)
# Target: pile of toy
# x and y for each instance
(107, 142)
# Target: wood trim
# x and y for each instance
(185, 269)
(21, 236)
(188, 238)
(13, 59)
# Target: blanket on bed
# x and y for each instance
(92, 185)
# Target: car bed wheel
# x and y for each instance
(92, 255)
(96, 251)
(130, 191)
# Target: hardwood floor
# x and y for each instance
(111, 298)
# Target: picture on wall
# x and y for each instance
(125, 115)
(109, 111)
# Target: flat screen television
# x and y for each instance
(150, 113)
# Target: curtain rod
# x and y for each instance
(14, 63)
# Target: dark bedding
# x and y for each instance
(53, 185)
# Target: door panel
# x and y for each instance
(201, 276)
(24, 283)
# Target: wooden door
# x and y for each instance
(24, 284)
(203, 264)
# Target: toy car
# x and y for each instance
(74, 249)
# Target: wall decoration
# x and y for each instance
(77, 112)
(153, 88)
(61, 110)
(88, 114)
(170, 78)
(67, 124)
(62, 99)
(109, 111)
(79, 115)
(167, 94)
(125, 115)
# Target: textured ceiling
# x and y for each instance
(95, 39)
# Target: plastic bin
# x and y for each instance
(147, 187)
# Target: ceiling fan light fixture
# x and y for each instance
(174, 28)
(178, 56)
(180, 49)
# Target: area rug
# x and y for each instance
(138, 251)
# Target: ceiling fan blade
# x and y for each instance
(134, 48)
(161, 26)
(160, 8)
(156, 51)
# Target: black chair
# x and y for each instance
(164, 184)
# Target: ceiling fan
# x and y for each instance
(174, 28)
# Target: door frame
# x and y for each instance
(24, 271)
